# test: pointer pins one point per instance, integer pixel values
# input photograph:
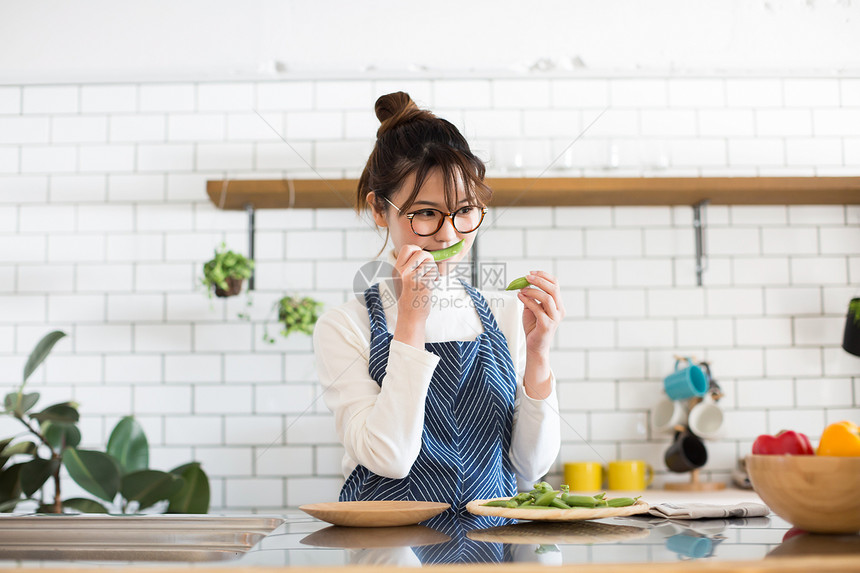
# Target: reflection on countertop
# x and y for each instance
(300, 540)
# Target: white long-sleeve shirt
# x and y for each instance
(381, 427)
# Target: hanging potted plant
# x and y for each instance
(225, 272)
(851, 339)
(296, 315)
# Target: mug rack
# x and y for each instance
(695, 483)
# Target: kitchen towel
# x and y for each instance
(708, 511)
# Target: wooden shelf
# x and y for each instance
(560, 191)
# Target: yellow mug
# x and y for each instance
(630, 475)
(583, 476)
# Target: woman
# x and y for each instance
(436, 396)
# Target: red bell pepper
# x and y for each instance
(785, 442)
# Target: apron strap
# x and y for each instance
(488, 321)
(378, 324)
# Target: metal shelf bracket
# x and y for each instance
(699, 218)
(249, 209)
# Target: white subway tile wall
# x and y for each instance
(105, 222)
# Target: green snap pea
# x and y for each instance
(579, 500)
(546, 498)
(447, 252)
(527, 503)
(521, 497)
(621, 501)
(501, 503)
(558, 504)
(517, 284)
(600, 495)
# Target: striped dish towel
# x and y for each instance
(708, 511)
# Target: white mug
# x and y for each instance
(666, 415)
(706, 418)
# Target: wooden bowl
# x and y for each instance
(814, 493)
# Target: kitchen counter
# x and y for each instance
(640, 543)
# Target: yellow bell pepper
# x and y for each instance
(840, 439)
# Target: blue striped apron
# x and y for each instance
(468, 417)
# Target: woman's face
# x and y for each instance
(430, 196)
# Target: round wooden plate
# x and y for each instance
(374, 513)
(576, 514)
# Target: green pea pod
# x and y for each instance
(537, 507)
(600, 495)
(602, 503)
(558, 504)
(621, 501)
(579, 500)
(521, 497)
(540, 488)
(448, 252)
(546, 486)
(499, 503)
(546, 498)
(527, 503)
(517, 284)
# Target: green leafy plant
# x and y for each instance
(296, 315)
(119, 476)
(854, 310)
(225, 272)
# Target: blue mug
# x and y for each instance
(690, 546)
(684, 383)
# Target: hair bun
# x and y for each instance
(390, 105)
(393, 109)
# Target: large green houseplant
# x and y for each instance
(119, 477)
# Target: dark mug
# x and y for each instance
(686, 453)
(851, 338)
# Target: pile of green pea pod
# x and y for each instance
(543, 496)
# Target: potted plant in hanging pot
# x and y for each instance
(296, 315)
(851, 339)
(225, 272)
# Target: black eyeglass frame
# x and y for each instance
(450, 215)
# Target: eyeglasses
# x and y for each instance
(426, 222)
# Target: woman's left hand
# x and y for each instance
(543, 312)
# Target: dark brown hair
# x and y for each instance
(412, 140)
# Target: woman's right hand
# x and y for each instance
(414, 273)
